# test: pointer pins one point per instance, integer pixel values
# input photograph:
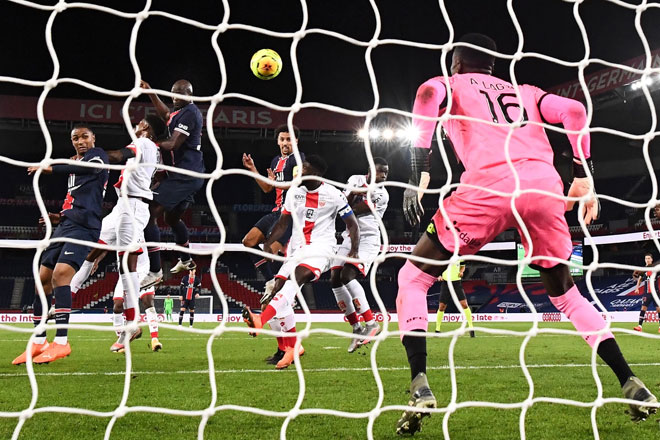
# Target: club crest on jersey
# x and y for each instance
(309, 214)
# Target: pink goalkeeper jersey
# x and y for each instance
(481, 146)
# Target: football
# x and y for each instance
(266, 64)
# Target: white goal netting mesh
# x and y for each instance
(647, 72)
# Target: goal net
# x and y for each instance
(203, 304)
(386, 361)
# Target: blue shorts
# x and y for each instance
(173, 191)
(65, 252)
(268, 221)
(647, 300)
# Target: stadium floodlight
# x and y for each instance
(408, 133)
(388, 134)
(363, 133)
(374, 133)
(648, 80)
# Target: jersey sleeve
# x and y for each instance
(344, 209)
(186, 123)
(555, 109)
(352, 184)
(380, 201)
(430, 101)
(288, 207)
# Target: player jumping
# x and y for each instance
(479, 215)
(175, 193)
(349, 293)
(282, 169)
(81, 220)
(315, 205)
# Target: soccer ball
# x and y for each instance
(266, 64)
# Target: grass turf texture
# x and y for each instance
(177, 378)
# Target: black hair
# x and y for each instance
(380, 161)
(473, 57)
(158, 126)
(82, 125)
(649, 254)
(318, 163)
(284, 128)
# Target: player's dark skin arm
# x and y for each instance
(360, 208)
(162, 110)
(354, 234)
(173, 142)
(119, 156)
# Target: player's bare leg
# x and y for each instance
(152, 234)
(173, 220)
(584, 316)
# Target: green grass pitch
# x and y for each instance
(488, 370)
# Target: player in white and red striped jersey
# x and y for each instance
(313, 207)
(125, 224)
(349, 293)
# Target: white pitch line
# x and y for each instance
(322, 370)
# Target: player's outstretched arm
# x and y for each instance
(173, 142)
(161, 109)
(277, 231)
(572, 115)
(248, 163)
(430, 101)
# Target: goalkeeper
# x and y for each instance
(503, 147)
(168, 305)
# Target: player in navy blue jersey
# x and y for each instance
(79, 219)
(174, 194)
(190, 287)
(283, 168)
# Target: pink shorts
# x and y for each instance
(479, 216)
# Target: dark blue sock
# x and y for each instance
(262, 265)
(62, 308)
(152, 233)
(181, 238)
(38, 310)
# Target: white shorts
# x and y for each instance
(118, 228)
(142, 270)
(283, 324)
(368, 251)
(315, 258)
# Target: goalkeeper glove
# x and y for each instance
(584, 186)
(412, 207)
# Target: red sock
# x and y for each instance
(154, 334)
(130, 314)
(290, 341)
(368, 316)
(352, 318)
(267, 314)
(280, 343)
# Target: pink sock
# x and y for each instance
(411, 304)
(583, 315)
